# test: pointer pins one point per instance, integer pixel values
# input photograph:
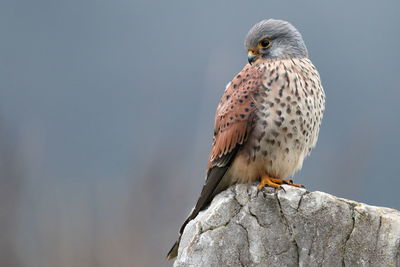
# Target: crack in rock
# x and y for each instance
(230, 233)
(349, 235)
(290, 230)
(247, 236)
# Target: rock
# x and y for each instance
(244, 227)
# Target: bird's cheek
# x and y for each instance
(265, 53)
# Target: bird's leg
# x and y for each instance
(266, 180)
(275, 182)
(285, 181)
(282, 181)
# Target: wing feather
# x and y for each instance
(234, 118)
(234, 121)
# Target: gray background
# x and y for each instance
(106, 114)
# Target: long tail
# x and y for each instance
(211, 188)
(173, 252)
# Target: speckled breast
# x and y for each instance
(288, 118)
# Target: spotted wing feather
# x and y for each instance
(235, 115)
(234, 120)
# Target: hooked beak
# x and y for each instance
(251, 56)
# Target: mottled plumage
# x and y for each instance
(269, 116)
(289, 106)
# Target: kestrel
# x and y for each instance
(268, 118)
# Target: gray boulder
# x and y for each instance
(244, 227)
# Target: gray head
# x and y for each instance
(274, 39)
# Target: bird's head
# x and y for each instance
(274, 39)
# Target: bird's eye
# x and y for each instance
(265, 43)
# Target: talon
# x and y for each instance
(298, 185)
(268, 181)
(276, 183)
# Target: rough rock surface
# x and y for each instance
(243, 227)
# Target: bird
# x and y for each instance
(268, 118)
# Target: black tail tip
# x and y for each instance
(173, 252)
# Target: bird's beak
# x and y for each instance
(251, 56)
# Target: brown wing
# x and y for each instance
(234, 120)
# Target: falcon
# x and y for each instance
(268, 118)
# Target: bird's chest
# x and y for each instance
(285, 125)
(287, 122)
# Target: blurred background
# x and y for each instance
(107, 107)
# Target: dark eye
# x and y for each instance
(265, 43)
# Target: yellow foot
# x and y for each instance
(285, 181)
(275, 182)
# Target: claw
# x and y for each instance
(276, 183)
(268, 181)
